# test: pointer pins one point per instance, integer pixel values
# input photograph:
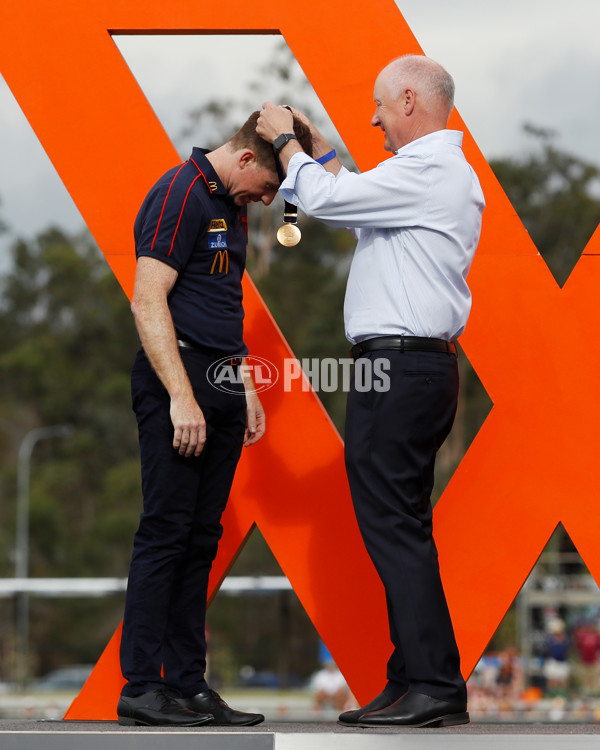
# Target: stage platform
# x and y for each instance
(72, 735)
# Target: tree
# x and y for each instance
(3, 226)
(556, 196)
(68, 342)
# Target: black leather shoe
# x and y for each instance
(418, 710)
(351, 718)
(157, 708)
(210, 702)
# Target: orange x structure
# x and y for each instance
(531, 343)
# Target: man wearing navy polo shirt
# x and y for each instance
(190, 237)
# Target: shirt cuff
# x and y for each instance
(287, 188)
(296, 163)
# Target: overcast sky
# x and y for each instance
(513, 61)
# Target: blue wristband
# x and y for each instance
(328, 157)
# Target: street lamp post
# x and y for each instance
(22, 536)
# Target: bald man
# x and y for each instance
(417, 219)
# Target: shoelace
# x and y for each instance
(166, 699)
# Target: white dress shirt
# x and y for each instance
(417, 219)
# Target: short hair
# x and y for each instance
(247, 137)
(428, 77)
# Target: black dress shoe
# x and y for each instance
(210, 702)
(418, 710)
(351, 718)
(157, 708)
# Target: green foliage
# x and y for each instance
(68, 341)
(556, 196)
(3, 225)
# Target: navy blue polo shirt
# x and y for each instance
(189, 221)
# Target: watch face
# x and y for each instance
(281, 140)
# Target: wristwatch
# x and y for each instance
(281, 140)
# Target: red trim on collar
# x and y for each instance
(202, 175)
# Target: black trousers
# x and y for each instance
(163, 641)
(392, 438)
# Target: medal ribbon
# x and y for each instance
(290, 212)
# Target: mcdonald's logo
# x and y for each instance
(223, 257)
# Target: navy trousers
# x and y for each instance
(392, 438)
(163, 643)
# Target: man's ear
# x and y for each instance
(246, 158)
(409, 101)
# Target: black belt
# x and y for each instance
(210, 352)
(403, 344)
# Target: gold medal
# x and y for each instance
(288, 235)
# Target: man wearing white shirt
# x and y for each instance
(417, 219)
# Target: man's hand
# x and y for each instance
(255, 420)
(303, 119)
(255, 414)
(274, 121)
(189, 425)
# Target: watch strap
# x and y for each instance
(281, 140)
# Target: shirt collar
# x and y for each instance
(211, 178)
(439, 137)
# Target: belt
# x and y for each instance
(210, 352)
(403, 344)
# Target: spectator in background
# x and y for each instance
(587, 643)
(330, 688)
(510, 678)
(556, 667)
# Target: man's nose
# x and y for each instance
(268, 198)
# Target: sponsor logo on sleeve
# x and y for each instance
(217, 225)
